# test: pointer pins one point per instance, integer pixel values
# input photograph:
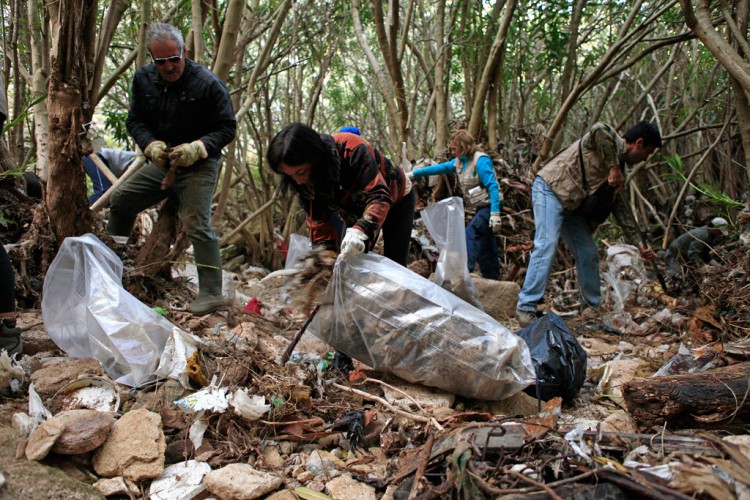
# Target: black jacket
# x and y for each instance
(197, 106)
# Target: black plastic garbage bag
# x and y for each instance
(558, 358)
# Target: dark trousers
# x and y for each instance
(397, 229)
(7, 283)
(481, 245)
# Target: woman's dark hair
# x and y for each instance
(297, 144)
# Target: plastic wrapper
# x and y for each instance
(298, 246)
(445, 222)
(625, 271)
(88, 313)
(559, 359)
(180, 481)
(690, 361)
(393, 320)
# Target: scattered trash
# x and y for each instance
(36, 406)
(625, 271)
(254, 306)
(93, 393)
(181, 481)
(11, 373)
(212, 398)
(249, 407)
(690, 361)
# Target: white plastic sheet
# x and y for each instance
(88, 313)
(181, 481)
(446, 223)
(625, 271)
(392, 319)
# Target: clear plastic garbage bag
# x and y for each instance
(88, 313)
(392, 319)
(445, 221)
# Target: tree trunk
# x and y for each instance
(196, 29)
(695, 399)
(581, 88)
(158, 254)
(384, 84)
(480, 95)
(224, 62)
(66, 198)
(115, 12)
(570, 62)
(140, 59)
(39, 74)
(442, 57)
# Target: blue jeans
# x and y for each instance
(551, 221)
(194, 187)
(481, 245)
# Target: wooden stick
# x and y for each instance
(140, 160)
(103, 168)
(288, 353)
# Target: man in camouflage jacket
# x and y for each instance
(557, 193)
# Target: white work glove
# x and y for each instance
(354, 243)
(410, 175)
(187, 154)
(155, 152)
(495, 222)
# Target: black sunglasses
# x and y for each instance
(161, 61)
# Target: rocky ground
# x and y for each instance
(240, 424)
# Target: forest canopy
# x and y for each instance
(525, 78)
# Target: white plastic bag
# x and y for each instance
(625, 271)
(88, 313)
(392, 319)
(299, 246)
(445, 222)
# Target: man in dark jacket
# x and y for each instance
(691, 250)
(181, 117)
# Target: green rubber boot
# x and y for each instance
(208, 262)
(10, 339)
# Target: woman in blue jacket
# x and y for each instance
(481, 194)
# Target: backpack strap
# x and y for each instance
(583, 170)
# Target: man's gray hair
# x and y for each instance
(159, 32)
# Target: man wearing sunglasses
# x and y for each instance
(180, 116)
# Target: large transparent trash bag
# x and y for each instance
(392, 319)
(88, 313)
(445, 222)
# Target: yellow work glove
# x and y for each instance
(186, 155)
(155, 152)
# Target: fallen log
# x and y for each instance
(717, 397)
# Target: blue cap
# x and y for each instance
(351, 130)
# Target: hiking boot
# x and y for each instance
(10, 339)
(525, 318)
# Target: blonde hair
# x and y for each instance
(464, 140)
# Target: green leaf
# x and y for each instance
(306, 493)
(160, 310)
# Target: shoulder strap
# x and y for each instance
(580, 162)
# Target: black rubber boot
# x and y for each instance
(208, 262)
